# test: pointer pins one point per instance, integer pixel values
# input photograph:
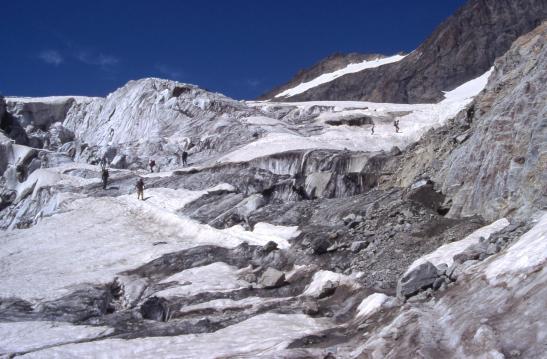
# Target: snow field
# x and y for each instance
(420, 119)
(26, 336)
(261, 335)
(91, 240)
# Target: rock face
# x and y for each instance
(462, 48)
(502, 167)
(499, 169)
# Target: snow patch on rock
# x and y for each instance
(372, 304)
(215, 277)
(349, 69)
(446, 253)
(528, 254)
(320, 280)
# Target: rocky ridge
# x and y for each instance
(329, 64)
(461, 48)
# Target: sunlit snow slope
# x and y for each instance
(351, 68)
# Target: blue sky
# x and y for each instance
(240, 48)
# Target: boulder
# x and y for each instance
(349, 218)
(442, 268)
(493, 249)
(319, 245)
(358, 246)
(268, 247)
(472, 252)
(272, 278)
(438, 282)
(310, 308)
(421, 277)
(328, 289)
(462, 138)
(300, 273)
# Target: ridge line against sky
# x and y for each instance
(239, 48)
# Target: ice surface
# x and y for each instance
(265, 232)
(372, 304)
(215, 277)
(224, 304)
(445, 253)
(261, 335)
(420, 119)
(49, 99)
(37, 179)
(351, 68)
(26, 336)
(528, 254)
(91, 240)
(469, 89)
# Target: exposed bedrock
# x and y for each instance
(491, 163)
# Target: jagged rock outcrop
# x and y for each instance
(462, 48)
(2, 108)
(501, 169)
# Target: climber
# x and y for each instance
(103, 163)
(44, 161)
(104, 176)
(21, 173)
(396, 124)
(470, 113)
(152, 164)
(184, 158)
(140, 189)
(372, 129)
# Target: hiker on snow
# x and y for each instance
(372, 129)
(140, 189)
(396, 124)
(184, 158)
(104, 176)
(152, 164)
